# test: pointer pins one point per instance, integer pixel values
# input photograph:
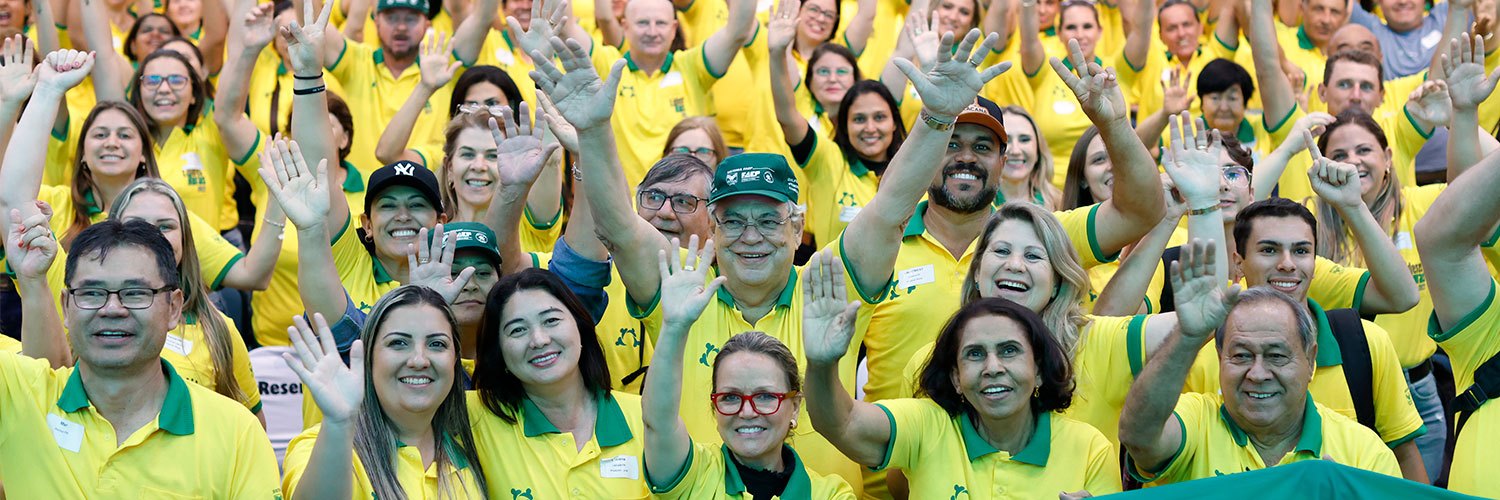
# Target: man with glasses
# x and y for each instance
(122, 422)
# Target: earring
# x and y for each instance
(794, 423)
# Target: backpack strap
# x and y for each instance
(1167, 302)
(1349, 331)
(1486, 387)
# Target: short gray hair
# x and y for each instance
(1263, 293)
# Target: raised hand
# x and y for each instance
(827, 314)
(519, 150)
(17, 77)
(1176, 97)
(684, 294)
(1307, 128)
(30, 246)
(304, 44)
(302, 193)
(546, 17)
(260, 27)
(63, 70)
(925, 37)
(338, 389)
(782, 30)
(579, 96)
(1333, 182)
(1192, 160)
(566, 135)
(430, 264)
(434, 61)
(1202, 299)
(953, 82)
(1464, 64)
(1430, 104)
(1097, 88)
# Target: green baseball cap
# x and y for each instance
(764, 174)
(417, 5)
(472, 236)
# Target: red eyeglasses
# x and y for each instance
(764, 403)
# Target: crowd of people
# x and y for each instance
(818, 249)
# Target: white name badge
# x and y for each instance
(1403, 241)
(179, 345)
(191, 161)
(623, 466)
(69, 434)
(671, 79)
(919, 275)
(1063, 107)
(505, 56)
(1432, 39)
(846, 214)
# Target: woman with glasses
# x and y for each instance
(698, 136)
(1058, 114)
(754, 397)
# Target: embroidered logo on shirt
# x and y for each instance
(958, 490)
(708, 348)
(634, 341)
(515, 494)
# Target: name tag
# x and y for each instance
(847, 214)
(670, 80)
(1432, 39)
(505, 57)
(919, 275)
(69, 434)
(1403, 241)
(1063, 107)
(191, 161)
(179, 345)
(623, 466)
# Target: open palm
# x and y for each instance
(579, 95)
(519, 151)
(1201, 298)
(827, 314)
(338, 389)
(16, 74)
(684, 294)
(952, 83)
(302, 194)
(1468, 85)
(260, 26)
(1096, 87)
(1192, 160)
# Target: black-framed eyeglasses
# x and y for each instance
(764, 403)
(682, 203)
(173, 81)
(1237, 175)
(733, 228)
(131, 298)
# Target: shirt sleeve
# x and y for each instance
(1083, 233)
(1193, 413)
(1103, 467)
(586, 278)
(696, 477)
(908, 418)
(244, 376)
(255, 475)
(216, 255)
(1396, 417)
(1337, 287)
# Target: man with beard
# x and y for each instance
(377, 80)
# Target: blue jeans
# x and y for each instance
(1424, 394)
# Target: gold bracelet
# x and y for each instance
(1204, 211)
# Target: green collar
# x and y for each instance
(1171, 56)
(1246, 132)
(176, 415)
(1303, 41)
(92, 206)
(381, 276)
(380, 55)
(783, 300)
(665, 65)
(1068, 62)
(280, 69)
(915, 226)
(1312, 429)
(1035, 452)
(798, 487)
(353, 183)
(1328, 346)
(1035, 193)
(610, 427)
(505, 35)
(453, 452)
(188, 318)
(856, 165)
(1052, 31)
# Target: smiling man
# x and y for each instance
(1410, 33)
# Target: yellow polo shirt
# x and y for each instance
(441, 22)
(194, 162)
(187, 350)
(890, 17)
(1300, 51)
(1471, 342)
(722, 320)
(626, 346)
(709, 474)
(838, 186)
(9, 345)
(58, 445)
(417, 481)
(500, 52)
(1141, 81)
(270, 82)
(1208, 431)
(943, 455)
(532, 459)
(374, 95)
(1402, 134)
(361, 273)
(1057, 114)
(648, 106)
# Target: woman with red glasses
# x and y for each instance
(755, 398)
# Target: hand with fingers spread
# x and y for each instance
(1309, 126)
(546, 18)
(337, 388)
(827, 313)
(1334, 182)
(782, 30)
(302, 193)
(1192, 160)
(435, 61)
(925, 38)
(579, 96)
(63, 70)
(259, 27)
(684, 293)
(304, 44)
(430, 264)
(955, 80)
(1176, 97)
(17, 77)
(1202, 299)
(1097, 88)
(519, 150)
(566, 135)
(1429, 104)
(30, 246)
(1464, 64)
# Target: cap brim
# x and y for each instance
(984, 120)
(775, 195)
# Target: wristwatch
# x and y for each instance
(934, 122)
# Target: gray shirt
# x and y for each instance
(1406, 53)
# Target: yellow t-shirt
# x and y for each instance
(648, 106)
(1214, 445)
(417, 481)
(626, 346)
(943, 455)
(187, 350)
(707, 474)
(374, 95)
(890, 16)
(362, 275)
(1471, 342)
(200, 443)
(9, 345)
(441, 22)
(838, 186)
(271, 81)
(1141, 80)
(1402, 134)
(500, 52)
(1057, 114)
(194, 162)
(532, 459)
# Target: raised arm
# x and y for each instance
(356, 14)
(468, 37)
(520, 156)
(721, 47)
(1125, 292)
(946, 90)
(1227, 29)
(1468, 86)
(331, 42)
(1033, 55)
(112, 70)
(1448, 239)
(1149, 431)
(254, 271)
(47, 41)
(1125, 217)
(685, 292)
(25, 155)
(857, 35)
(1391, 289)
(1176, 98)
(997, 20)
(586, 103)
(310, 112)
(858, 429)
(436, 71)
(30, 250)
(1268, 170)
(1276, 93)
(303, 194)
(215, 27)
(339, 390)
(251, 34)
(17, 78)
(780, 33)
(1139, 39)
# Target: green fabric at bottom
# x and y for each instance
(1305, 480)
